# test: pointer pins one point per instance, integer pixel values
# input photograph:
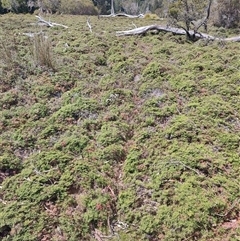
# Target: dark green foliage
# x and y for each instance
(113, 153)
(9, 163)
(74, 143)
(18, 6)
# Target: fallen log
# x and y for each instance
(122, 15)
(178, 31)
(232, 39)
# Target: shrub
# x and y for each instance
(50, 5)
(151, 16)
(74, 143)
(113, 153)
(18, 6)
(78, 7)
(10, 163)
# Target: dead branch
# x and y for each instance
(48, 23)
(186, 166)
(89, 25)
(177, 31)
(204, 21)
(135, 26)
(99, 236)
(232, 39)
(235, 203)
(2, 201)
(32, 35)
(110, 226)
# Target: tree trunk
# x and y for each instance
(112, 8)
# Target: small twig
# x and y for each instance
(112, 192)
(27, 179)
(58, 24)
(230, 209)
(89, 25)
(32, 35)
(186, 166)
(97, 235)
(46, 171)
(2, 201)
(49, 210)
(134, 24)
(120, 225)
(110, 226)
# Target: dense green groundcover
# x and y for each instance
(133, 138)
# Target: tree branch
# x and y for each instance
(48, 23)
(204, 21)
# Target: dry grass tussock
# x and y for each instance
(42, 51)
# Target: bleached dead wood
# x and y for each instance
(122, 15)
(31, 35)
(177, 31)
(134, 24)
(232, 39)
(89, 25)
(48, 23)
(112, 8)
